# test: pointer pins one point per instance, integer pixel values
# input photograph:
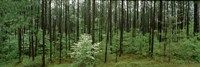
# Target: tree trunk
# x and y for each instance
(160, 22)
(77, 29)
(50, 31)
(188, 18)
(196, 23)
(152, 29)
(66, 25)
(180, 16)
(121, 30)
(89, 17)
(101, 20)
(110, 23)
(93, 22)
(60, 30)
(127, 18)
(19, 44)
(43, 28)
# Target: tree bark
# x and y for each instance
(93, 22)
(121, 29)
(89, 17)
(160, 22)
(188, 18)
(110, 23)
(43, 28)
(196, 23)
(19, 44)
(50, 31)
(77, 29)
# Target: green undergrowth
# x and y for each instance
(126, 60)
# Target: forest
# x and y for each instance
(99, 33)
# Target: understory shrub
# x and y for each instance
(84, 52)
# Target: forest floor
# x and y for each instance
(126, 60)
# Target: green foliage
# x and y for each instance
(184, 48)
(29, 63)
(141, 44)
(8, 50)
(84, 52)
(137, 44)
(187, 49)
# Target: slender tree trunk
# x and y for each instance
(85, 17)
(19, 44)
(164, 29)
(121, 29)
(152, 29)
(60, 30)
(66, 24)
(137, 8)
(115, 17)
(196, 23)
(173, 15)
(127, 18)
(30, 41)
(110, 21)
(101, 20)
(32, 34)
(160, 22)
(77, 29)
(50, 31)
(43, 37)
(107, 39)
(37, 28)
(93, 22)
(89, 17)
(134, 18)
(108, 32)
(143, 15)
(188, 18)
(69, 27)
(180, 16)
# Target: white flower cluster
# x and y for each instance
(84, 49)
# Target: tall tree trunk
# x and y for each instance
(115, 17)
(101, 20)
(33, 42)
(93, 22)
(85, 17)
(164, 28)
(89, 17)
(77, 29)
(152, 29)
(196, 23)
(69, 27)
(188, 18)
(110, 23)
(107, 40)
(60, 30)
(37, 27)
(143, 15)
(160, 22)
(121, 29)
(66, 24)
(50, 31)
(180, 16)
(43, 28)
(30, 41)
(134, 18)
(108, 32)
(127, 18)
(19, 44)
